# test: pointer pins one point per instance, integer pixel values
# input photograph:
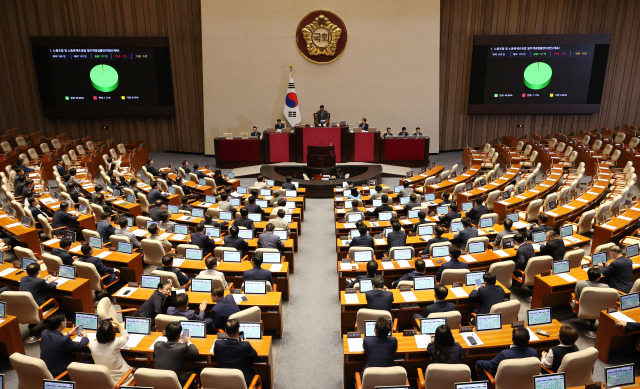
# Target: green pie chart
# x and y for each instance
(537, 75)
(104, 78)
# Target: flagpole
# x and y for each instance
(290, 69)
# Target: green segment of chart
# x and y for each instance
(537, 75)
(104, 78)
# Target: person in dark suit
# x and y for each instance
(539, 226)
(156, 210)
(507, 224)
(384, 207)
(446, 199)
(396, 237)
(439, 305)
(155, 194)
(279, 125)
(413, 203)
(172, 354)
(380, 349)
(257, 273)
(151, 169)
(232, 353)
(379, 297)
(200, 239)
(452, 214)
(269, 240)
(185, 166)
(63, 252)
(438, 231)
(104, 227)
(244, 221)
(38, 287)
(60, 167)
(167, 265)
(184, 204)
(223, 308)
(87, 256)
(372, 269)
(618, 271)
(444, 349)
(57, 349)
(403, 132)
(62, 218)
(388, 133)
(364, 240)
(468, 232)
(477, 211)
(419, 271)
(233, 240)
(182, 309)
(418, 132)
(364, 125)
(155, 305)
(524, 251)
(521, 349)
(35, 210)
(288, 185)
(554, 247)
(322, 117)
(252, 207)
(255, 133)
(422, 219)
(454, 263)
(488, 294)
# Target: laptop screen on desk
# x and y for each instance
(241, 190)
(549, 381)
(151, 222)
(354, 217)
(400, 254)
(508, 243)
(404, 200)
(629, 301)
(561, 267)
(88, 321)
(413, 213)
(181, 229)
(2, 312)
(234, 201)
(172, 208)
(290, 193)
(245, 233)
(224, 215)
(385, 216)
(598, 258)
(282, 234)
(51, 384)
(255, 287)
(566, 231)
(291, 204)
(27, 261)
(370, 327)
(425, 229)
(95, 242)
(632, 251)
(362, 256)
(149, 282)
(538, 316)
(365, 285)
(513, 217)
(397, 188)
(472, 385)
(474, 278)
(201, 285)
(429, 326)
(268, 257)
(539, 237)
(262, 203)
(476, 247)
(265, 192)
(352, 234)
(376, 202)
(125, 247)
(195, 254)
(440, 251)
(429, 197)
(489, 321)
(197, 329)
(197, 212)
(442, 210)
(619, 375)
(65, 271)
(466, 207)
(210, 199)
(456, 226)
(255, 217)
(231, 256)
(251, 330)
(137, 325)
(131, 199)
(424, 283)
(212, 232)
(486, 222)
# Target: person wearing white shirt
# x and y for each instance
(106, 349)
(260, 182)
(212, 262)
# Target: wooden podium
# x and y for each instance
(321, 156)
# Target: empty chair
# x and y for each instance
(491, 199)
(535, 266)
(167, 275)
(211, 377)
(144, 202)
(90, 376)
(585, 222)
(503, 271)
(633, 143)
(592, 301)
(515, 373)
(87, 233)
(443, 375)
(508, 310)
(574, 257)
(449, 276)
(160, 379)
(596, 145)
(106, 310)
(31, 371)
(618, 139)
(614, 158)
(163, 320)
(52, 262)
(252, 314)
(533, 211)
(578, 367)
(88, 271)
(551, 197)
(382, 376)
(532, 160)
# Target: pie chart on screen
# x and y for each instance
(537, 75)
(104, 78)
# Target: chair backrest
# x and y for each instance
(216, 281)
(80, 150)
(593, 300)
(477, 239)
(508, 309)
(122, 149)
(454, 318)
(18, 208)
(106, 310)
(535, 266)
(252, 314)
(550, 197)
(634, 142)
(636, 286)
(22, 305)
(88, 271)
(370, 314)
(163, 320)
(157, 378)
(141, 221)
(578, 366)
(384, 376)
(449, 276)
(46, 227)
(52, 262)
(182, 248)
(354, 249)
(438, 245)
(603, 248)
(144, 202)
(491, 199)
(218, 251)
(22, 252)
(533, 210)
(212, 377)
(114, 239)
(394, 249)
(31, 371)
(585, 224)
(574, 257)
(520, 370)
(90, 376)
(618, 139)
(492, 216)
(503, 271)
(444, 375)
(87, 233)
(166, 275)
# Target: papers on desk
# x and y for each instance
(387, 265)
(544, 185)
(133, 341)
(184, 218)
(469, 258)
(621, 316)
(47, 200)
(13, 225)
(178, 236)
(75, 249)
(635, 209)
(429, 263)
(625, 218)
(422, 341)
(345, 266)
(126, 291)
(8, 271)
(405, 221)
(339, 198)
(374, 224)
(160, 339)
(341, 211)
(403, 263)
(398, 207)
(408, 296)
(339, 189)
(238, 298)
(503, 202)
(351, 298)
(165, 235)
(518, 225)
(275, 267)
(592, 193)
(552, 213)
(532, 335)
(380, 241)
(178, 261)
(139, 232)
(567, 277)
(355, 345)
(459, 292)
(569, 207)
(104, 254)
(369, 209)
(180, 291)
(206, 204)
(467, 335)
(521, 197)
(60, 280)
(482, 232)
(573, 239)
(345, 242)
(598, 186)
(608, 227)
(436, 185)
(534, 191)
(90, 335)
(501, 253)
(349, 225)
(583, 200)
(217, 240)
(51, 241)
(536, 246)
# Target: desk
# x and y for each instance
(615, 227)
(450, 184)
(364, 146)
(483, 191)
(418, 179)
(237, 152)
(409, 151)
(10, 335)
(609, 336)
(279, 146)
(322, 136)
(26, 235)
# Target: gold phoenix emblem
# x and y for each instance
(321, 36)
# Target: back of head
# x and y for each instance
(252, 200)
(363, 230)
(593, 274)
(384, 198)
(184, 199)
(552, 234)
(85, 249)
(153, 229)
(507, 223)
(105, 215)
(233, 327)
(413, 197)
(396, 226)
(33, 269)
(543, 218)
(281, 213)
(518, 238)
(167, 260)
(420, 265)
(211, 262)
(200, 226)
(378, 282)
(466, 222)
(441, 292)
(490, 278)
(289, 178)
(520, 337)
(66, 242)
(224, 196)
(233, 230)
(478, 200)
(122, 222)
(438, 230)
(568, 335)
(453, 207)
(446, 195)
(616, 250)
(54, 321)
(164, 216)
(282, 202)
(382, 328)
(257, 258)
(455, 252)
(244, 212)
(173, 331)
(270, 227)
(182, 300)
(372, 267)
(106, 331)
(421, 215)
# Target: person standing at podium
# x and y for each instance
(279, 125)
(255, 132)
(364, 125)
(322, 117)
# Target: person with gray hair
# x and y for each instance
(619, 271)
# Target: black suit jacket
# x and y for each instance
(446, 219)
(236, 242)
(105, 229)
(38, 288)
(360, 277)
(618, 274)
(35, 211)
(257, 134)
(152, 170)
(288, 186)
(439, 306)
(221, 311)
(244, 222)
(152, 307)
(57, 350)
(381, 208)
(364, 126)
(61, 170)
(524, 253)
(65, 256)
(182, 278)
(258, 274)
(172, 355)
(236, 354)
(541, 228)
(62, 219)
(487, 296)
(380, 352)
(379, 299)
(204, 242)
(555, 248)
(100, 267)
(475, 213)
(396, 238)
(254, 208)
(464, 235)
(154, 213)
(432, 241)
(362, 241)
(155, 194)
(452, 264)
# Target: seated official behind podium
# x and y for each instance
(279, 125)
(444, 348)
(233, 353)
(403, 132)
(488, 294)
(520, 349)
(255, 133)
(380, 349)
(364, 125)
(379, 297)
(446, 199)
(454, 263)
(418, 132)
(364, 240)
(388, 133)
(322, 117)
(172, 354)
(372, 269)
(438, 231)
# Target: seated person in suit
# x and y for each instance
(364, 125)
(364, 240)
(593, 275)
(507, 224)
(233, 240)
(260, 183)
(211, 263)
(182, 309)
(388, 133)
(165, 222)
(38, 287)
(257, 273)
(488, 294)
(62, 218)
(184, 204)
(153, 230)
(167, 265)
(172, 354)
(155, 194)
(218, 178)
(279, 221)
(269, 240)
(554, 246)
(208, 221)
(524, 251)
(60, 166)
(57, 350)
(288, 185)
(104, 227)
(418, 132)
(539, 226)
(444, 349)
(403, 132)
(102, 203)
(619, 271)
(124, 231)
(378, 194)
(133, 185)
(185, 189)
(380, 349)
(452, 214)
(255, 132)
(552, 359)
(35, 209)
(420, 268)
(87, 256)
(252, 207)
(151, 169)
(438, 231)
(439, 305)
(396, 237)
(233, 353)
(279, 125)
(156, 210)
(244, 221)
(520, 349)
(224, 204)
(413, 202)
(185, 166)
(454, 263)
(224, 306)
(384, 207)
(478, 210)
(372, 268)
(446, 199)
(422, 219)
(468, 232)
(379, 297)
(63, 252)
(322, 117)
(406, 190)
(155, 305)
(203, 241)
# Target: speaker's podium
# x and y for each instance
(321, 156)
